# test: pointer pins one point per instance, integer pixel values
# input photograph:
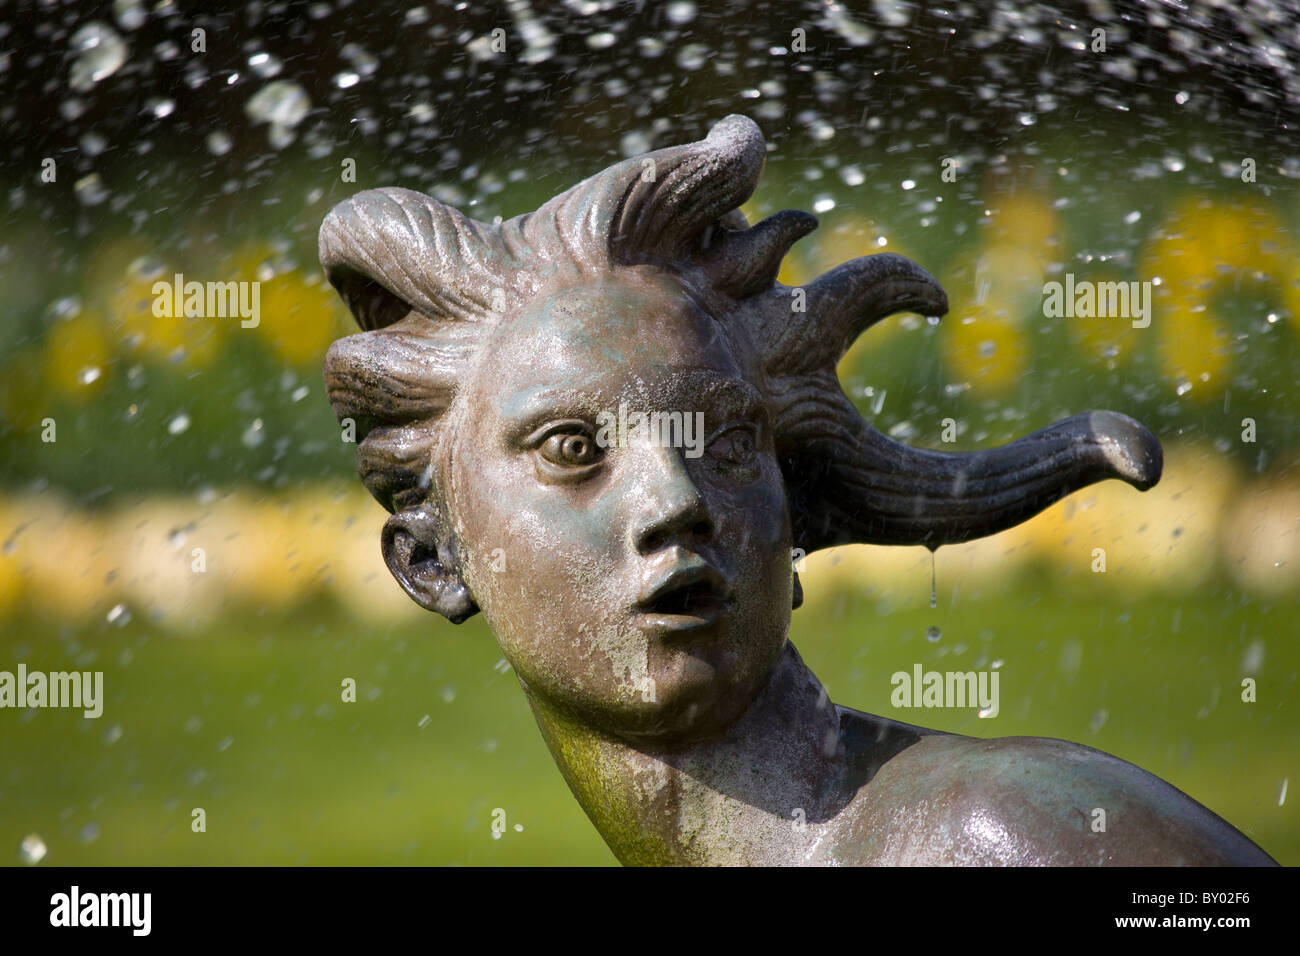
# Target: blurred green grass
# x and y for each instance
(245, 720)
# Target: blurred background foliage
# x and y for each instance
(177, 434)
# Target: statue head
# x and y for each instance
(606, 425)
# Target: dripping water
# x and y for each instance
(933, 599)
(932, 633)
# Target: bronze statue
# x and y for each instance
(639, 580)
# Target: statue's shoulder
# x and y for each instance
(927, 798)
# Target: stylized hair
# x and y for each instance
(426, 283)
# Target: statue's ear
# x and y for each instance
(424, 562)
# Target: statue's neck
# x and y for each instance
(760, 793)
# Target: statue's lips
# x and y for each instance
(689, 596)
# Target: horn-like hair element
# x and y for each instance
(425, 282)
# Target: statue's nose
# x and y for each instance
(672, 509)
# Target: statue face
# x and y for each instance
(636, 572)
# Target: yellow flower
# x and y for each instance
(1103, 340)
(1193, 348)
(1025, 219)
(23, 395)
(1200, 249)
(301, 316)
(77, 354)
(12, 577)
(192, 341)
(984, 346)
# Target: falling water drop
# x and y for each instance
(32, 849)
(281, 103)
(934, 602)
(100, 53)
(932, 634)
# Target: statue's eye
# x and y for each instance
(735, 446)
(570, 449)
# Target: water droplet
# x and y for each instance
(90, 833)
(1181, 97)
(1184, 386)
(1281, 797)
(253, 435)
(823, 203)
(933, 596)
(634, 143)
(822, 131)
(90, 190)
(519, 828)
(346, 79)
(1253, 659)
(932, 634)
(92, 144)
(119, 615)
(265, 65)
(1133, 217)
(129, 14)
(680, 12)
(853, 175)
(692, 56)
(1099, 720)
(101, 53)
(225, 743)
(425, 721)
(281, 103)
(1027, 119)
(113, 735)
(908, 184)
(895, 13)
(361, 59)
(88, 374)
(32, 850)
(178, 424)
(932, 320)
(448, 694)
(160, 108)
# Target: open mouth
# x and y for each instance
(696, 600)
(688, 597)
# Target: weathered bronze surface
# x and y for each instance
(639, 580)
